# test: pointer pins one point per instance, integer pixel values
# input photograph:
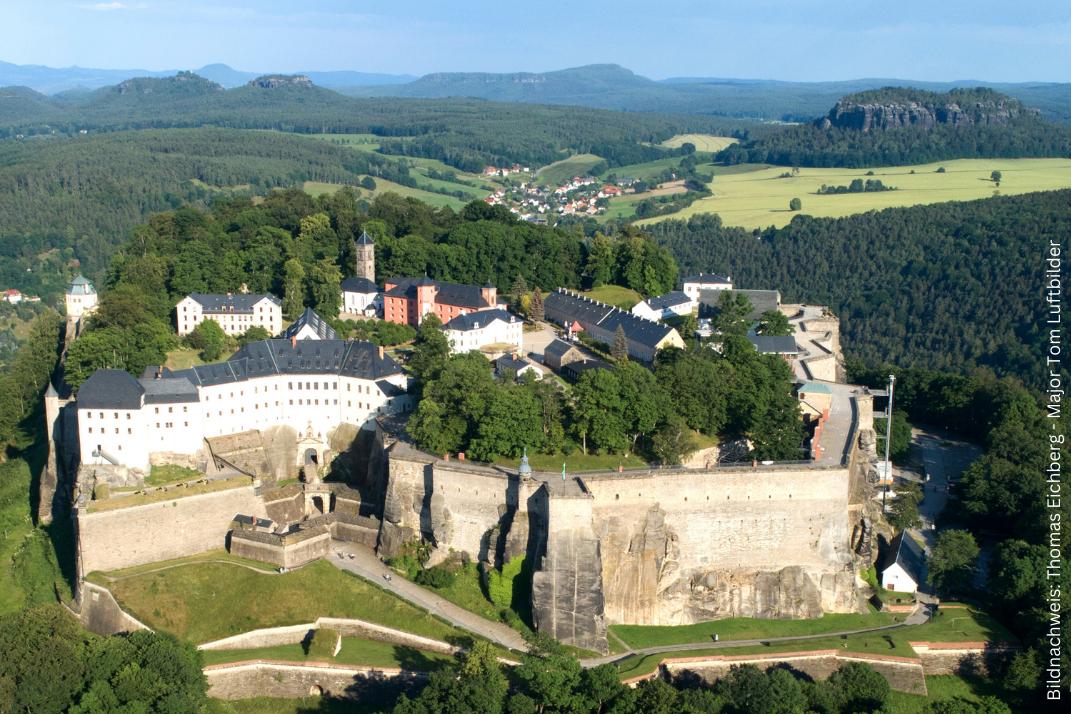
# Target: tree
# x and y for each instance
(517, 293)
(673, 441)
(996, 176)
(774, 322)
(293, 287)
(733, 310)
(209, 338)
(904, 509)
(535, 308)
(256, 333)
(619, 349)
(430, 349)
(951, 564)
(368, 183)
(795, 204)
(598, 412)
(859, 688)
(900, 446)
(325, 281)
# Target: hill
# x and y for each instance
(950, 286)
(895, 126)
(465, 133)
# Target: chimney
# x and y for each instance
(461, 456)
(446, 456)
(381, 351)
(159, 371)
(293, 341)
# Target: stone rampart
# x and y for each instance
(979, 658)
(290, 680)
(100, 613)
(289, 634)
(185, 525)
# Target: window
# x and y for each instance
(129, 430)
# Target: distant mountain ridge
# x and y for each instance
(598, 86)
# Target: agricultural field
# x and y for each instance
(757, 196)
(702, 142)
(318, 188)
(560, 171)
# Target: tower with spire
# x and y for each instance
(364, 257)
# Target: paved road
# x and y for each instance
(944, 459)
(835, 434)
(368, 566)
(365, 564)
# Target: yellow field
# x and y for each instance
(317, 188)
(702, 142)
(758, 198)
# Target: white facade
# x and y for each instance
(696, 284)
(81, 298)
(324, 401)
(647, 312)
(359, 303)
(487, 327)
(234, 313)
(896, 578)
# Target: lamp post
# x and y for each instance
(888, 440)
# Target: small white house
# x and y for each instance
(235, 312)
(517, 366)
(904, 565)
(695, 284)
(81, 298)
(360, 296)
(309, 326)
(674, 304)
(477, 330)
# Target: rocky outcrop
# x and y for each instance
(274, 81)
(890, 109)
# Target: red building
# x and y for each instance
(407, 300)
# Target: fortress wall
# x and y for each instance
(748, 518)
(258, 678)
(124, 537)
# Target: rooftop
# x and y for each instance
(563, 306)
(664, 302)
(775, 344)
(317, 324)
(457, 294)
(906, 551)
(80, 286)
(231, 302)
(110, 389)
(709, 279)
(476, 320)
(354, 284)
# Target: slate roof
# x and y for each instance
(110, 389)
(906, 551)
(365, 239)
(814, 388)
(166, 391)
(80, 286)
(509, 362)
(358, 359)
(562, 307)
(237, 303)
(664, 302)
(474, 320)
(311, 318)
(775, 344)
(558, 348)
(579, 368)
(448, 293)
(354, 284)
(761, 300)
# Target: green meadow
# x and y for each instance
(560, 171)
(702, 142)
(756, 196)
(318, 188)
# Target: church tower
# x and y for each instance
(364, 257)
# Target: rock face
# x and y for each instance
(883, 110)
(274, 81)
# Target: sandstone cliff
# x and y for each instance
(881, 110)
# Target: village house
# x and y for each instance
(234, 312)
(12, 296)
(601, 322)
(515, 366)
(407, 300)
(904, 565)
(694, 285)
(560, 353)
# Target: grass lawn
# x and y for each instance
(561, 171)
(107, 578)
(759, 198)
(576, 462)
(183, 358)
(465, 591)
(646, 171)
(746, 628)
(318, 188)
(355, 650)
(303, 705)
(140, 499)
(961, 624)
(163, 474)
(702, 142)
(616, 295)
(208, 601)
(942, 687)
(887, 644)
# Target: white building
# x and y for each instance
(309, 326)
(904, 565)
(235, 312)
(81, 298)
(360, 296)
(477, 330)
(674, 304)
(312, 385)
(695, 284)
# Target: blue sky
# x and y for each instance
(771, 39)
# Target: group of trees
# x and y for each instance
(949, 286)
(26, 378)
(856, 186)
(734, 392)
(51, 664)
(1000, 502)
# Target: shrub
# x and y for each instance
(500, 584)
(438, 576)
(795, 204)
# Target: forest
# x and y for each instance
(950, 286)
